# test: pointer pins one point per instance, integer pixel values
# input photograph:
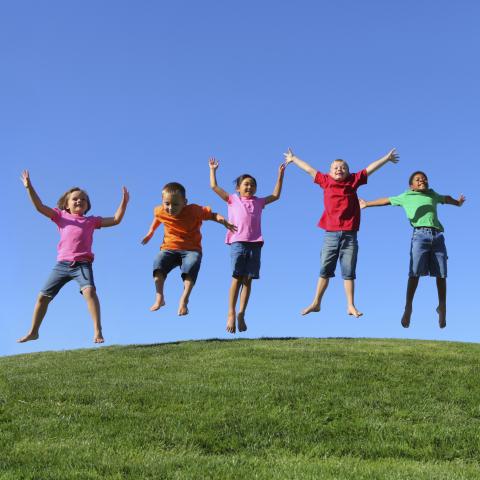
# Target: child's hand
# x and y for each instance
(281, 168)
(147, 238)
(362, 202)
(288, 156)
(229, 226)
(392, 156)
(125, 194)
(461, 200)
(213, 163)
(25, 178)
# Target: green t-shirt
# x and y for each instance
(420, 207)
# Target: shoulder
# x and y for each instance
(233, 198)
(158, 211)
(322, 178)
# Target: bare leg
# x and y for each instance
(188, 284)
(39, 311)
(159, 279)
(322, 285)
(349, 286)
(244, 296)
(93, 305)
(411, 289)
(232, 302)
(442, 302)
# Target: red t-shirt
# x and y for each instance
(342, 211)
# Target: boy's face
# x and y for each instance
(419, 183)
(247, 187)
(339, 170)
(77, 202)
(173, 203)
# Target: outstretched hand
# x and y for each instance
(288, 156)
(461, 200)
(229, 226)
(146, 238)
(393, 156)
(213, 163)
(125, 194)
(25, 178)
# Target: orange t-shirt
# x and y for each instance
(183, 231)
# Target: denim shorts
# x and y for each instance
(428, 254)
(246, 259)
(188, 260)
(341, 245)
(63, 272)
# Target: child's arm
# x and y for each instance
(117, 218)
(380, 202)
(40, 207)
(216, 217)
(290, 157)
(278, 186)
(213, 180)
(391, 156)
(451, 201)
(155, 224)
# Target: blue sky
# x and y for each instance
(112, 93)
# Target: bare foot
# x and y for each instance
(406, 317)
(231, 322)
(159, 302)
(312, 308)
(352, 310)
(28, 337)
(442, 317)
(242, 326)
(98, 338)
(182, 309)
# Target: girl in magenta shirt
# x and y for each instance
(74, 257)
(245, 212)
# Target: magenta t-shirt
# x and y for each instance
(76, 236)
(342, 210)
(246, 215)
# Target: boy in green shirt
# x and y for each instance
(428, 255)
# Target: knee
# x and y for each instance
(44, 300)
(89, 293)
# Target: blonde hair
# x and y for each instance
(63, 200)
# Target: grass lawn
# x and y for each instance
(244, 409)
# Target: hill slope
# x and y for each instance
(286, 408)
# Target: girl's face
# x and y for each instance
(247, 187)
(77, 203)
(419, 183)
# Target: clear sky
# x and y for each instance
(139, 93)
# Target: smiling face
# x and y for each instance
(419, 182)
(247, 187)
(77, 202)
(173, 203)
(339, 170)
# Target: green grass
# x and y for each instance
(266, 409)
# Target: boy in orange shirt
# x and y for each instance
(181, 245)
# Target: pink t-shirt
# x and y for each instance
(76, 236)
(246, 215)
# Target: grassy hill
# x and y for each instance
(266, 409)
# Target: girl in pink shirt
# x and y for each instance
(74, 257)
(245, 212)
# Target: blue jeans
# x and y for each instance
(428, 254)
(341, 245)
(63, 272)
(188, 260)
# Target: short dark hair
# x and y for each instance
(410, 180)
(174, 188)
(241, 178)
(63, 200)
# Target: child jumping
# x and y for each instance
(181, 245)
(75, 257)
(245, 211)
(428, 254)
(341, 221)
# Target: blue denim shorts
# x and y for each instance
(188, 260)
(428, 254)
(63, 272)
(246, 259)
(341, 245)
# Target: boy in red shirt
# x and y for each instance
(341, 221)
(181, 245)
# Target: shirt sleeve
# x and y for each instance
(321, 179)
(97, 221)
(397, 201)
(206, 213)
(361, 178)
(439, 198)
(56, 218)
(158, 214)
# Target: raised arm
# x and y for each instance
(290, 157)
(391, 156)
(213, 180)
(155, 224)
(278, 186)
(379, 202)
(37, 203)
(117, 218)
(452, 201)
(216, 217)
